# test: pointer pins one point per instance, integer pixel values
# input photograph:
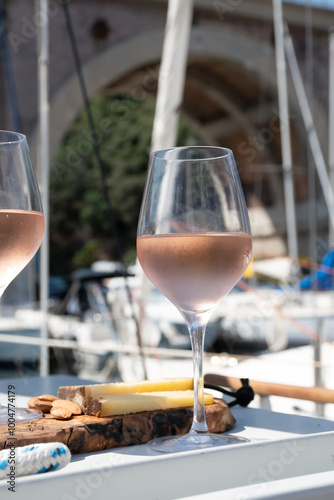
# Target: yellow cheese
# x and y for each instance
(120, 404)
(98, 390)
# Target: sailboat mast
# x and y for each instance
(43, 168)
(171, 80)
(331, 122)
(290, 214)
(172, 74)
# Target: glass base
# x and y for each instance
(20, 415)
(189, 442)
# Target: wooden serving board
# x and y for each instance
(84, 433)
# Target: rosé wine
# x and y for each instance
(196, 270)
(21, 233)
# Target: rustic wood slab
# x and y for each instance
(84, 433)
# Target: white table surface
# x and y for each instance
(288, 457)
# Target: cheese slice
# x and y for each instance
(121, 404)
(82, 394)
(173, 384)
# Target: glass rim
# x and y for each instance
(12, 137)
(225, 152)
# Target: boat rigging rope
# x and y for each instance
(33, 459)
(102, 170)
(8, 74)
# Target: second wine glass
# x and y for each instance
(194, 244)
(21, 230)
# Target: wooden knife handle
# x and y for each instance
(316, 393)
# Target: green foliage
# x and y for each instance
(80, 223)
(84, 256)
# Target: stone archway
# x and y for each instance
(144, 49)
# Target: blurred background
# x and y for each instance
(230, 99)
(103, 59)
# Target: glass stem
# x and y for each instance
(197, 326)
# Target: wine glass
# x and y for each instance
(194, 244)
(21, 230)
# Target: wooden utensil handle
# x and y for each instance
(316, 393)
